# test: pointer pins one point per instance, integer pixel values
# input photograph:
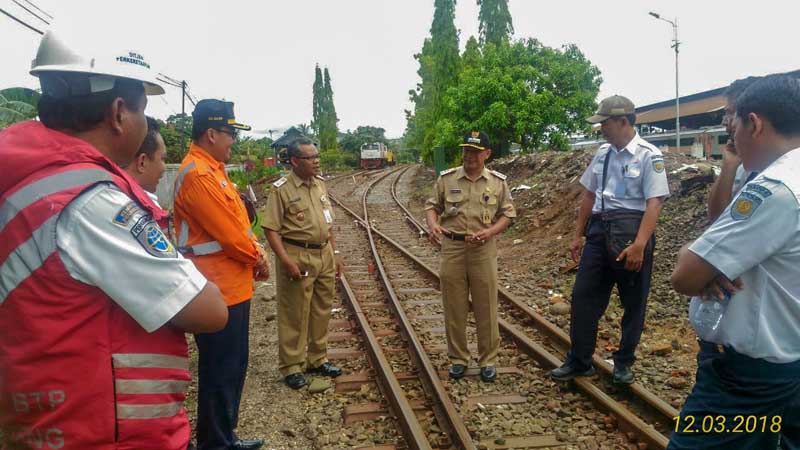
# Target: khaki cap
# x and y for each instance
(616, 105)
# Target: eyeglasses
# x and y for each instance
(232, 133)
(308, 157)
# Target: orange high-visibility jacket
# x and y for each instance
(212, 227)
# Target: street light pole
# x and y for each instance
(675, 45)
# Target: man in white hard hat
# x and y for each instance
(94, 299)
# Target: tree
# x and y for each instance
(177, 134)
(318, 101)
(353, 140)
(495, 22)
(439, 65)
(17, 104)
(521, 92)
(329, 129)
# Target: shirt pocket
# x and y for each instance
(632, 177)
(453, 201)
(597, 172)
(299, 212)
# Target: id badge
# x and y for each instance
(328, 216)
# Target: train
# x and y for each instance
(706, 142)
(376, 155)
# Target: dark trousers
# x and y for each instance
(597, 275)
(746, 403)
(221, 371)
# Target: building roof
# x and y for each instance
(706, 106)
(288, 136)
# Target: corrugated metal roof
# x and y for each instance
(700, 106)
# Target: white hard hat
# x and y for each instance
(62, 72)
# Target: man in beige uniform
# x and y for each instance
(298, 227)
(471, 204)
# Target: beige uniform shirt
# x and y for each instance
(299, 210)
(466, 206)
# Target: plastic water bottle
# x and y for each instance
(708, 315)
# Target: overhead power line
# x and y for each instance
(20, 21)
(40, 9)
(30, 12)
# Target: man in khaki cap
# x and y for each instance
(624, 188)
(298, 224)
(470, 205)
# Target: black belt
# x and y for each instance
(455, 236)
(304, 244)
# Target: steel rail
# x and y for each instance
(563, 341)
(446, 414)
(443, 408)
(408, 215)
(646, 432)
(387, 381)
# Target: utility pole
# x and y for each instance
(675, 45)
(183, 98)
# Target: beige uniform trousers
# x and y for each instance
(304, 309)
(470, 270)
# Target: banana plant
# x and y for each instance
(17, 104)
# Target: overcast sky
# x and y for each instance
(261, 54)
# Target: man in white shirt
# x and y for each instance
(750, 394)
(149, 163)
(730, 181)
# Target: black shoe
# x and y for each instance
(326, 369)
(569, 371)
(457, 371)
(488, 374)
(295, 380)
(622, 375)
(247, 444)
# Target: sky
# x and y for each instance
(261, 54)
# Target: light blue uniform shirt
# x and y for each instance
(757, 238)
(635, 174)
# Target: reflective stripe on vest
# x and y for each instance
(206, 248)
(151, 386)
(61, 181)
(149, 360)
(127, 411)
(31, 254)
(181, 174)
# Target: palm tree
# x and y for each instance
(17, 104)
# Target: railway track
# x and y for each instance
(508, 417)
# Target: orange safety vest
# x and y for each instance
(212, 227)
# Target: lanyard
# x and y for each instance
(603, 191)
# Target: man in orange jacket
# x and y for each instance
(213, 230)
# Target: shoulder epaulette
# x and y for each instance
(450, 170)
(280, 182)
(320, 177)
(646, 145)
(498, 174)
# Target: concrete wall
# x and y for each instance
(167, 182)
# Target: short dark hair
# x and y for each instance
(150, 143)
(82, 113)
(737, 87)
(293, 149)
(776, 98)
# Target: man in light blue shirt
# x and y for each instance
(753, 252)
(624, 188)
(730, 181)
